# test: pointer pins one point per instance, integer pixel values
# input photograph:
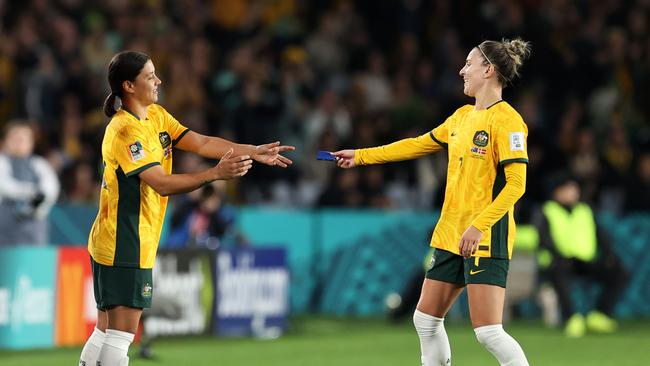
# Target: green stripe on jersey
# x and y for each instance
(127, 236)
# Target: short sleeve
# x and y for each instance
(175, 129)
(511, 140)
(132, 151)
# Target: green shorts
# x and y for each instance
(453, 268)
(121, 286)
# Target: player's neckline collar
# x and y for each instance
(133, 114)
(488, 107)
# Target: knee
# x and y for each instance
(487, 334)
(427, 325)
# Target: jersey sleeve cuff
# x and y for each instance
(174, 142)
(481, 225)
(358, 160)
(141, 169)
(516, 160)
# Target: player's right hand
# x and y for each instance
(230, 167)
(345, 158)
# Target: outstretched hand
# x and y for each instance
(345, 158)
(269, 154)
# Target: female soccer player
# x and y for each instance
(137, 155)
(486, 144)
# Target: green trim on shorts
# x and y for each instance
(453, 268)
(121, 286)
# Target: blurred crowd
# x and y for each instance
(324, 75)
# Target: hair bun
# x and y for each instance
(517, 49)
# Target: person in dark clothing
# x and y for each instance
(204, 222)
(637, 186)
(574, 246)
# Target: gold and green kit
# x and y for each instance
(130, 218)
(486, 148)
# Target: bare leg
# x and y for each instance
(124, 318)
(486, 311)
(122, 326)
(485, 304)
(102, 320)
(436, 299)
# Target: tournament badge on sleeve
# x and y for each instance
(166, 143)
(136, 151)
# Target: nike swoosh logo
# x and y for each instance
(453, 133)
(473, 272)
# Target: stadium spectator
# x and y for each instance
(637, 186)
(28, 188)
(204, 220)
(221, 55)
(479, 199)
(578, 248)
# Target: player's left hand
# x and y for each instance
(269, 154)
(469, 241)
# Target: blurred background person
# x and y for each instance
(28, 188)
(204, 220)
(579, 248)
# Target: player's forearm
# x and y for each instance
(513, 190)
(215, 147)
(405, 149)
(182, 183)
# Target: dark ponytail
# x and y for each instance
(109, 105)
(125, 66)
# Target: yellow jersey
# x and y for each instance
(480, 144)
(130, 218)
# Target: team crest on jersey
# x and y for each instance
(166, 143)
(136, 151)
(147, 290)
(481, 138)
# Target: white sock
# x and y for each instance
(507, 351)
(115, 349)
(434, 343)
(90, 352)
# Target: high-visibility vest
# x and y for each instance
(573, 233)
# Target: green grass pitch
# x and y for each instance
(342, 342)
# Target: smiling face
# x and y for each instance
(475, 73)
(145, 87)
